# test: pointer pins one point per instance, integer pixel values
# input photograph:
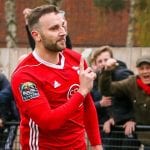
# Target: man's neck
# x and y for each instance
(49, 56)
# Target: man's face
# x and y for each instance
(101, 60)
(52, 32)
(144, 72)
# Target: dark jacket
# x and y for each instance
(8, 112)
(8, 109)
(102, 112)
(121, 110)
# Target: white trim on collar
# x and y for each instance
(39, 59)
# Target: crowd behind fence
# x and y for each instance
(9, 60)
(131, 143)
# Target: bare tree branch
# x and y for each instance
(11, 23)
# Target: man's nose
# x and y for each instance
(103, 63)
(62, 31)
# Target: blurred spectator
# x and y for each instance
(116, 112)
(26, 13)
(136, 87)
(8, 112)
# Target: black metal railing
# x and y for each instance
(116, 140)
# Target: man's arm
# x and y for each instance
(117, 88)
(38, 108)
(91, 121)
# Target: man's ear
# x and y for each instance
(36, 35)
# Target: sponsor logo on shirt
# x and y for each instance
(28, 91)
(72, 90)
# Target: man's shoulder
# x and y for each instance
(24, 65)
(71, 52)
(122, 72)
(126, 71)
(121, 63)
(72, 56)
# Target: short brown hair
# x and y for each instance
(101, 50)
(37, 12)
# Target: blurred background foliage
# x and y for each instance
(115, 5)
(143, 23)
(142, 16)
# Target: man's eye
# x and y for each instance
(54, 28)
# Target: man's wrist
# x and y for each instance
(83, 92)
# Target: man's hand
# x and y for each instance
(105, 101)
(110, 64)
(86, 78)
(129, 127)
(107, 125)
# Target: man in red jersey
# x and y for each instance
(51, 87)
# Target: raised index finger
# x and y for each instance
(81, 64)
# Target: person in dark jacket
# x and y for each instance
(26, 12)
(8, 112)
(136, 87)
(116, 112)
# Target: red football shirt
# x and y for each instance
(53, 114)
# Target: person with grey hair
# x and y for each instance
(136, 87)
(52, 89)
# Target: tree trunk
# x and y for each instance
(10, 16)
(131, 24)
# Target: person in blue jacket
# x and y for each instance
(8, 112)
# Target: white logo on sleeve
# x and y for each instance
(56, 84)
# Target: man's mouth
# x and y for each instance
(146, 79)
(146, 76)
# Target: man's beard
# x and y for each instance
(53, 47)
